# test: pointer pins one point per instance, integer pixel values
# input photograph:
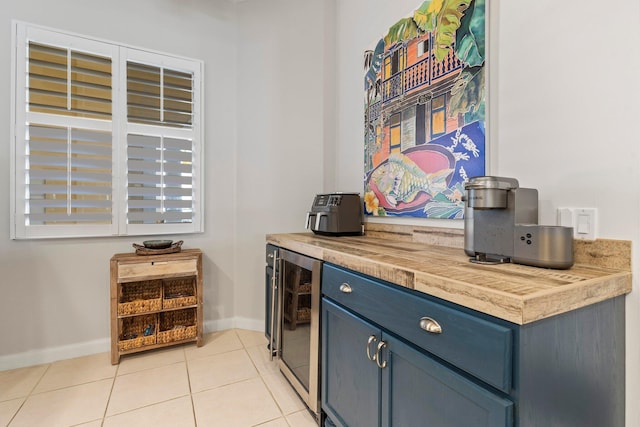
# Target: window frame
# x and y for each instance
(119, 126)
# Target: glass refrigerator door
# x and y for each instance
(296, 318)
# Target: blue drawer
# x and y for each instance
(472, 344)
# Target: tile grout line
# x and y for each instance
(113, 383)
(271, 393)
(29, 394)
(193, 407)
(154, 403)
(39, 380)
(260, 375)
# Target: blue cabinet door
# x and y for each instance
(419, 391)
(350, 381)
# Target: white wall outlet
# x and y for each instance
(583, 220)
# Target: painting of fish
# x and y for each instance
(399, 180)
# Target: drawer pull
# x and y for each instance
(430, 325)
(345, 288)
(378, 356)
(373, 339)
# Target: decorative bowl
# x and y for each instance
(157, 244)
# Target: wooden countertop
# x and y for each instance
(516, 293)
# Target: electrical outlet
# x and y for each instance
(583, 220)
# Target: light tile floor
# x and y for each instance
(228, 382)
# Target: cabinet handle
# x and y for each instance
(372, 338)
(345, 288)
(430, 325)
(378, 356)
(273, 344)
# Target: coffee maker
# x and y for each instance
(501, 225)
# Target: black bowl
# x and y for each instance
(157, 244)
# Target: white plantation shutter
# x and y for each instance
(65, 81)
(162, 148)
(160, 180)
(159, 96)
(107, 138)
(70, 176)
(63, 181)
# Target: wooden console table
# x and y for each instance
(156, 301)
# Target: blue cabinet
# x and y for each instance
(478, 346)
(351, 393)
(373, 379)
(393, 357)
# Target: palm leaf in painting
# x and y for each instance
(447, 23)
(470, 36)
(404, 29)
(467, 92)
(425, 15)
(373, 60)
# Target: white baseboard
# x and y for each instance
(250, 324)
(52, 354)
(232, 323)
(218, 325)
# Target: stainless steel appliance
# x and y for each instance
(293, 325)
(501, 225)
(271, 298)
(336, 214)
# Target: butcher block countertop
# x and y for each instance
(432, 261)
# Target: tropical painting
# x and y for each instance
(425, 111)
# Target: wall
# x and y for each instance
(54, 294)
(563, 97)
(282, 116)
(267, 120)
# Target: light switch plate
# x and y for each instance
(583, 220)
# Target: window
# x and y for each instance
(438, 119)
(395, 137)
(395, 62)
(423, 47)
(107, 138)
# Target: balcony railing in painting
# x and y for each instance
(392, 88)
(448, 65)
(374, 111)
(417, 75)
(422, 73)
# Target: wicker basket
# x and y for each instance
(177, 325)
(304, 314)
(179, 293)
(140, 297)
(304, 288)
(133, 332)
